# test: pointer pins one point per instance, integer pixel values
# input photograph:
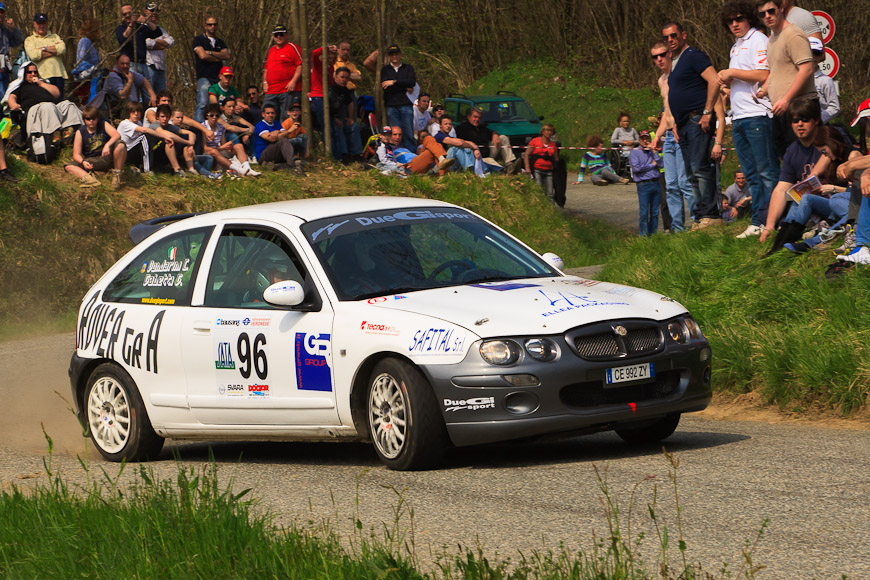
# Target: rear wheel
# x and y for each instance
(404, 420)
(651, 432)
(117, 421)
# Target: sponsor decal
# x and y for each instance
(667, 299)
(158, 301)
(621, 290)
(436, 341)
(256, 321)
(474, 404)
(170, 265)
(375, 219)
(380, 299)
(312, 362)
(232, 390)
(225, 357)
(566, 301)
(257, 390)
(159, 280)
(227, 322)
(580, 282)
(102, 330)
(375, 328)
(143, 268)
(502, 286)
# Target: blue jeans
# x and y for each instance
(282, 102)
(753, 140)
(403, 117)
(158, 79)
(676, 183)
(648, 197)
(862, 227)
(836, 208)
(317, 113)
(202, 86)
(300, 144)
(345, 140)
(696, 145)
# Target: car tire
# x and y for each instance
(652, 432)
(116, 419)
(405, 423)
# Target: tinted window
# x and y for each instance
(248, 261)
(163, 274)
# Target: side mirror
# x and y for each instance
(554, 260)
(285, 293)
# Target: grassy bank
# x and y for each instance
(137, 525)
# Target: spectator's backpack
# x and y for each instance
(40, 148)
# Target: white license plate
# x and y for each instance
(630, 373)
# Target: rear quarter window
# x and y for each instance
(163, 274)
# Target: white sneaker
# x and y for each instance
(246, 170)
(750, 231)
(859, 255)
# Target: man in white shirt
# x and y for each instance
(421, 114)
(752, 127)
(155, 56)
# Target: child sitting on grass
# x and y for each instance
(595, 164)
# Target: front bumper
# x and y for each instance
(480, 405)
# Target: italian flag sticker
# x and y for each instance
(172, 252)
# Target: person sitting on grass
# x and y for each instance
(230, 156)
(166, 98)
(201, 163)
(237, 128)
(431, 153)
(97, 147)
(595, 164)
(182, 137)
(447, 137)
(271, 142)
(296, 131)
(147, 150)
(646, 164)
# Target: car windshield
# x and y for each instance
(517, 111)
(404, 250)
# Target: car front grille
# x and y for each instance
(596, 394)
(605, 343)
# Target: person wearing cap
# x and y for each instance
(824, 84)
(645, 163)
(10, 37)
(752, 126)
(223, 88)
(128, 85)
(396, 78)
(45, 49)
(155, 53)
(282, 73)
(296, 130)
(210, 55)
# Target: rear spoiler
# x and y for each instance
(144, 229)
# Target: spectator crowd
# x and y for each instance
(797, 170)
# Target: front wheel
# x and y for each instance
(652, 432)
(116, 418)
(405, 423)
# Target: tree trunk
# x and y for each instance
(324, 59)
(306, 68)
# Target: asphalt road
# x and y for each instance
(614, 203)
(812, 483)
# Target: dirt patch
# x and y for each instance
(750, 407)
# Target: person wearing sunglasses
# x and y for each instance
(35, 104)
(752, 125)
(97, 147)
(210, 56)
(679, 197)
(282, 73)
(791, 68)
(693, 94)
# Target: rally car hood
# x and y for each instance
(534, 306)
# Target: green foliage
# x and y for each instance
(776, 325)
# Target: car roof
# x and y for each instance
(485, 98)
(311, 209)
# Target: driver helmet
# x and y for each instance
(272, 265)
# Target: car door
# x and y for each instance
(248, 362)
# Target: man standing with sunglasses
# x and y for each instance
(752, 126)
(791, 68)
(210, 54)
(282, 73)
(693, 89)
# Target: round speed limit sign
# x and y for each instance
(831, 64)
(826, 23)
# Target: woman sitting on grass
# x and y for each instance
(595, 164)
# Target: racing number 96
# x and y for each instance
(257, 356)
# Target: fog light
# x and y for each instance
(705, 354)
(522, 380)
(521, 403)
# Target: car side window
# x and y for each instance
(246, 262)
(163, 274)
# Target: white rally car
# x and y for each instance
(412, 323)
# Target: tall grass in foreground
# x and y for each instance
(193, 527)
(776, 325)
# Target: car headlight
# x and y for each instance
(694, 329)
(500, 352)
(542, 349)
(678, 332)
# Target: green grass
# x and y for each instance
(139, 526)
